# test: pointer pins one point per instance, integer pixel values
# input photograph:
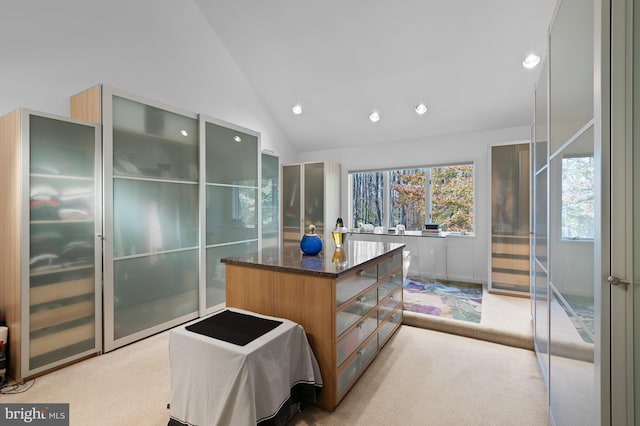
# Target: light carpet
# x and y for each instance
(421, 377)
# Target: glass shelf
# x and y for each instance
(60, 269)
(53, 221)
(54, 176)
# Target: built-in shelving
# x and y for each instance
(51, 282)
(152, 212)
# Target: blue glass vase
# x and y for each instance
(311, 243)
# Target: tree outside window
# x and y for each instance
(452, 197)
(578, 198)
(407, 196)
(368, 204)
(415, 196)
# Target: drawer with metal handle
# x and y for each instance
(354, 283)
(388, 327)
(354, 337)
(356, 366)
(391, 303)
(354, 312)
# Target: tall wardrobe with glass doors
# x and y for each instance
(310, 196)
(151, 212)
(180, 192)
(50, 228)
(565, 195)
(270, 199)
(230, 189)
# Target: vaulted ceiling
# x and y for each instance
(341, 60)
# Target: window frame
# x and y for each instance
(386, 213)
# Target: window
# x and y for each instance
(414, 196)
(367, 188)
(408, 197)
(452, 197)
(578, 198)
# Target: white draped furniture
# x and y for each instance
(214, 382)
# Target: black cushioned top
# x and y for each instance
(234, 327)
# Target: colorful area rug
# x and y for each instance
(454, 300)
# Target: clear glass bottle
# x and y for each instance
(339, 233)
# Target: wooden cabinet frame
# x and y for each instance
(310, 300)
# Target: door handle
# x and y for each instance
(613, 280)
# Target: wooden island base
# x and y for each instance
(349, 302)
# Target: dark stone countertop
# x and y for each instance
(330, 263)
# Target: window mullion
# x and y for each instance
(428, 205)
(386, 199)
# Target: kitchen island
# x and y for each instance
(348, 300)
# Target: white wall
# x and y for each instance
(438, 150)
(162, 50)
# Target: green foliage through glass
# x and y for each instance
(415, 196)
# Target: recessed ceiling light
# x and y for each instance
(531, 61)
(421, 109)
(184, 132)
(374, 116)
(297, 109)
(237, 138)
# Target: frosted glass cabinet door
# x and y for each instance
(62, 244)
(572, 218)
(270, 200)
(152, 229)
(60, 148)
(231, 160)
(153, 216)
(572, 196)
(571, 71)
(310, 196)
(540, 218)
(216, 272)
(231, 214)
(291, 204)
(153, 290)
(510, 244)
(540, 128)
(232, 156)
(314, 196)
(152, 142)
(539, 279)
